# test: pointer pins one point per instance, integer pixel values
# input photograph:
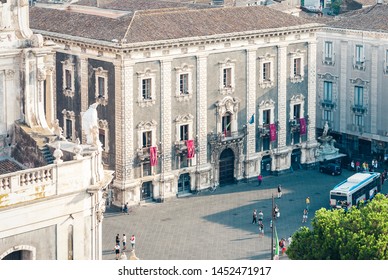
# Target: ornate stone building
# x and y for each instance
(352, 77)
(47, 210)
(190, 97)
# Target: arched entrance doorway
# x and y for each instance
(226, 167)
(266, 162)
(295, 159)
(184, 183)
(21, 252)
(146, 191)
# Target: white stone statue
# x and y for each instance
(325, 129)
(90, 124)
(58, 154)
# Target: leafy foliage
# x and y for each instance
(357, 234)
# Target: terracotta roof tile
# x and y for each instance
(161, 24)
(192, 23)
(8, 166)
(78, 24)
(374, 18)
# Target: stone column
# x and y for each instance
(251, 109)
(373, 90)
(343, 109)
(282, 95)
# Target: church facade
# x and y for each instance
(189, 97)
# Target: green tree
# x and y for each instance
(336, 6)
(358, 234)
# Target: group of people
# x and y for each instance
(365, 166)
(120, 251)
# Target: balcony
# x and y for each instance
(359, 64)
(143, 154)
(328, 104)
(264, 130)
(329, 60)
(228, 137)
(359, 109)
(294, 125)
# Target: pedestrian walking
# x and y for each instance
(260, 217)
(125, 210)
(352, 165)
(261, 230)
(304, 218)
(279, 191)
(254, 217)
(117, 251)
(357, 166)
(260, 179)
(118, 239)
(308, 203)
(124, 241)
(133, 241)
(276, 212)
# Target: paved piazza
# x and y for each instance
(217, 226)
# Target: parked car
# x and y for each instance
(331, 168)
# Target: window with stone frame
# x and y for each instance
(296, 108)
(359, 120)
(328, 91)
(227, 76)
(69, 125)
(266, 70)
(103, 130)
(328, 116)
(297, 66)
(68, 78)
(184, 132)
(184, 83)
(328, 54)
(183, 128)
(386, 62)
(101, 86)
(147, 139)
(147, 94)
(359, 54)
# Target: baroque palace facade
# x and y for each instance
(47, 210)
(352, 80)
(190, 96)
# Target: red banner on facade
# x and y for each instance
(272, 132)
(190, 148)
(302, 123)
(153, 156)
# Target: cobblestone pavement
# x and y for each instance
(217, 226)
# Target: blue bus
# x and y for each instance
(356, 188)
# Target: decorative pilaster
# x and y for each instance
(84, 83)
(124, 122)
(201, 113)
(343, 109)
(282, 95)
(373, 90)
(251, 100)
(165, 99)
(312, 91)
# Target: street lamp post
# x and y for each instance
(272, 229)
